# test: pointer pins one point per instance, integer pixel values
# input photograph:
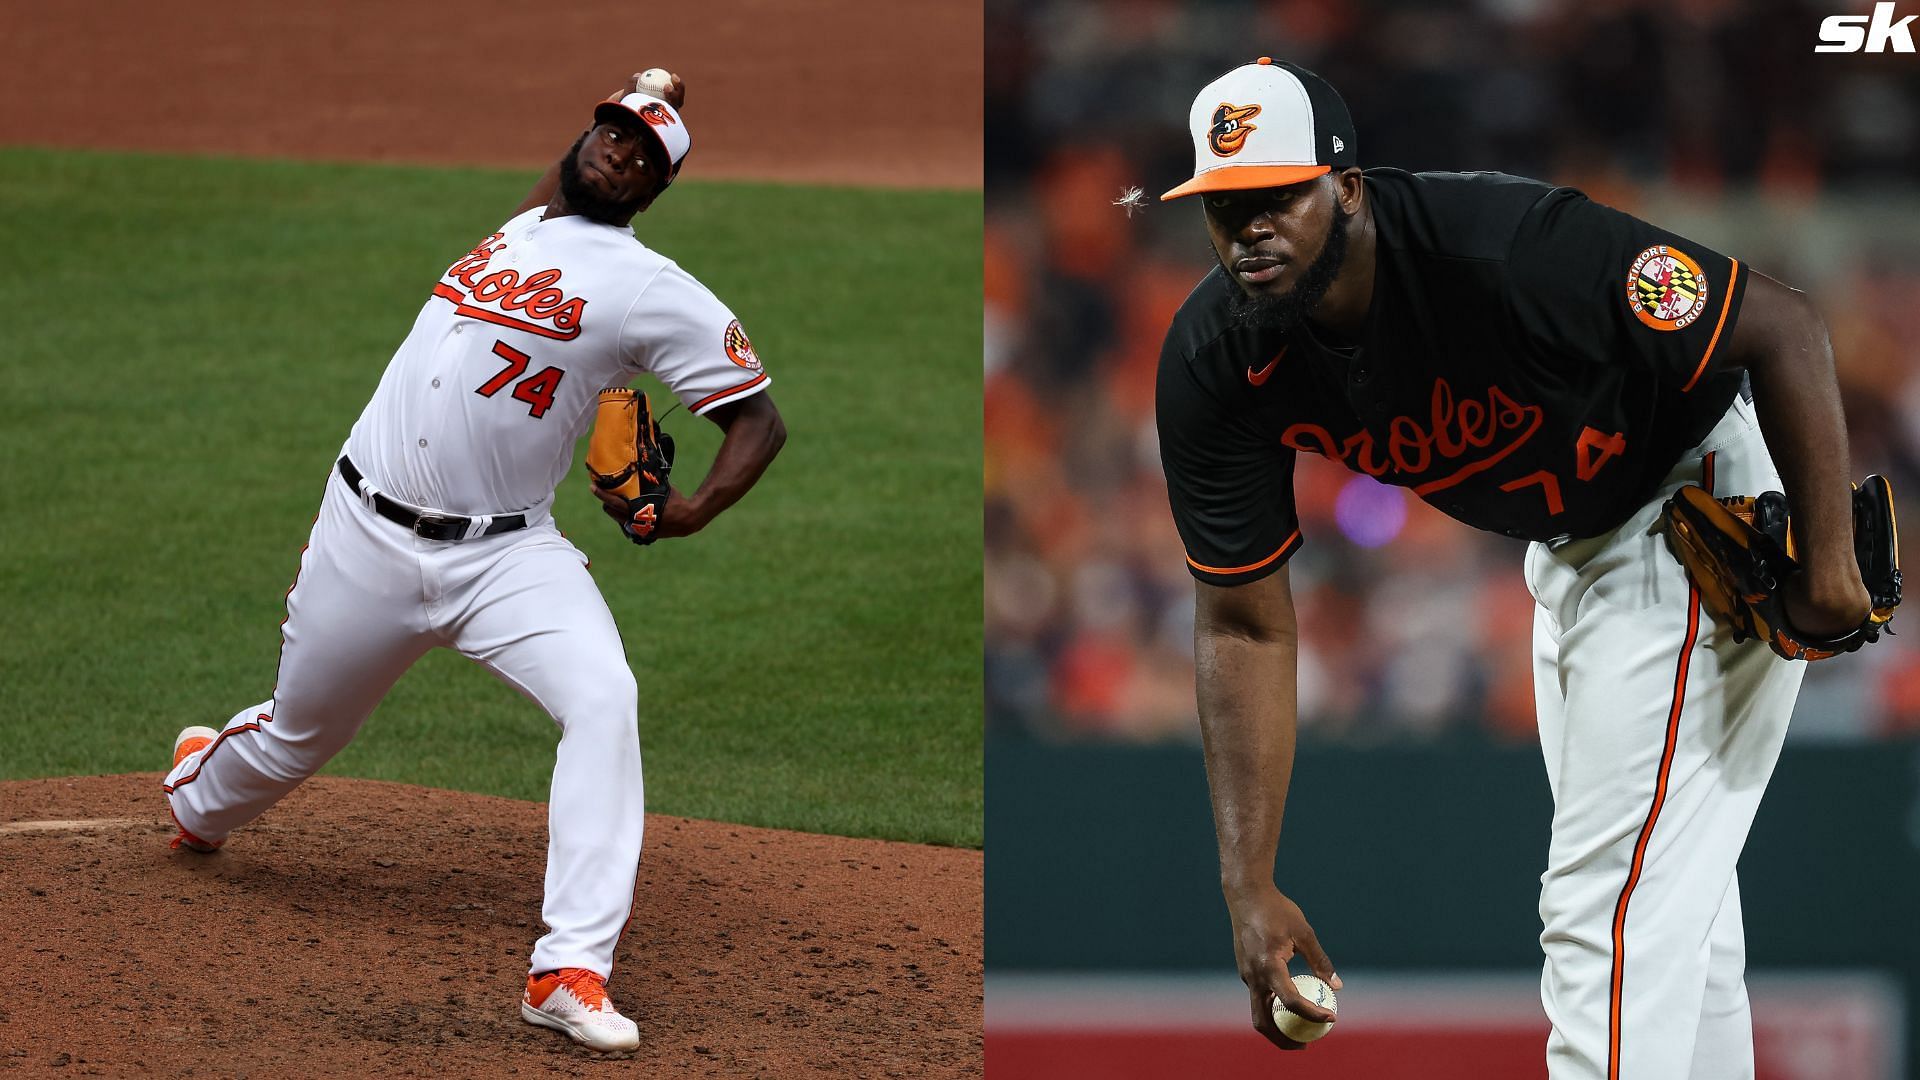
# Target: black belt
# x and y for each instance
(429, 526)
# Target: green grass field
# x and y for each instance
(190, 340)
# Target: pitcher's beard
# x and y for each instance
(585, 201)
(1285, 313)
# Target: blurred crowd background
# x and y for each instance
(1714, 119)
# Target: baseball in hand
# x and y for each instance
(662, 84)
(1299, 1028)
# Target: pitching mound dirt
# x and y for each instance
(373, 929)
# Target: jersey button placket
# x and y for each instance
(447, 362)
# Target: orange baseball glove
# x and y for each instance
(1739, 551)
(628, 459)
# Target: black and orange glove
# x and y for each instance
(1739, 552)
(628, 459)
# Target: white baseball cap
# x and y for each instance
(659, 119)
(1266, 124)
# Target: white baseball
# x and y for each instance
(656, 81)
(1299, 1028)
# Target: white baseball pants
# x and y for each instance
(1659, 735)
(370, 599)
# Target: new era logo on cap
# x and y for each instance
(1266, 124)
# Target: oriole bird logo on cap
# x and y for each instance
(655, 115)
(1230, 128)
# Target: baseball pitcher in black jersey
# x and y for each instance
(1534, 364)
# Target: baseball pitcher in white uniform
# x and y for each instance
(436, 529)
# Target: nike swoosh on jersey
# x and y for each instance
(1259, 378)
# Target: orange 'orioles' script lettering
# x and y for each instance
(533, 303)
(1456, 430)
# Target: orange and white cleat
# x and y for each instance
(574, 1000)
(191, 741)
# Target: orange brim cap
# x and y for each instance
(1246, 178)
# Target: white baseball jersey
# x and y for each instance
(481, 406)
(477, 414)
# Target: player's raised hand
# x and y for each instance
(1269, 930)
(659, 82)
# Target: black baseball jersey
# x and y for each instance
(1533, 363)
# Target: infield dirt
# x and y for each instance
(870, 92)
(371, 929)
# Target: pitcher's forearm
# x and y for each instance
(1247, 699)
(1799, 411)
(1783, 344)
(754, 435)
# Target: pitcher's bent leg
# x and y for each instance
(353, 626)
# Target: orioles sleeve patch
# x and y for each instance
(739, 350)
(1666, 288)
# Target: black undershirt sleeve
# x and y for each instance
(1231, 489)
(1589, 281)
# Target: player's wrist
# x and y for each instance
(1829, 569)
(1832, 578)
(1830, 560)
(1246, 882)
(1834, 595)
(700, 512)
(684, 514)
